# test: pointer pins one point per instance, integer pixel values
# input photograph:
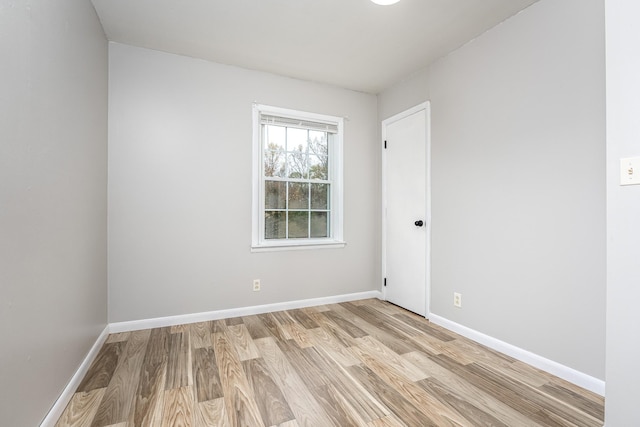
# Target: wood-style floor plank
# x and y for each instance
(82, 409)
(329, 343)
(546, 404)
(434, 346)
(255, 327)
(153, 374)
(427, 403)
(305, 364)
(362, 403)
(336, 406)
(273, 326)
(234, 321)
(400, 344)
(298, 334)
(470, 412)
(330, 327)
(382, 353)
(283, 317)
(218, 325)
(344, 323)
(302, 318)
(103, 366)
(120, 394)
(178, 408)
(422, 325)
(242, 408)
(179, 373)
(458, 387)
(384, 323)
(388, 421)
(242, 342)
(206, 375)
(301, 401)
(574, 399)
(271, 402)
(362, 363)
(212, 413)
(118, 337)
(200, 334)
(401, 407)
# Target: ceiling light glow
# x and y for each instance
(385, 2)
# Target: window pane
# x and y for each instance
(274, 163)
(275, 225)
(318, 167)
(274, 137)
(297, 139)
(319, 196)
(318, 155)
(319, 224)
(275, 195)
(298, 225)
(298, 195)
(316, 137)
(318, 143)
(298, 166)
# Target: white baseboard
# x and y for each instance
(160, 322)
(58, 408)
(576, 377)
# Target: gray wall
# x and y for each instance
(518, 172)
(623, 212)
(53, 153)
(180, 153)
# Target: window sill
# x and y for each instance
(298, 246)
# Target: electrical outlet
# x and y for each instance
(256, 285)
(457, 299)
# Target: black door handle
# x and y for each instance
(419, 223)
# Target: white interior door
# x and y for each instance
(406, 225)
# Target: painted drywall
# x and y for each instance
(180, 180)
(623, 211)
(518, 181)
(53, 216)
(407, 93)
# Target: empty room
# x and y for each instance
(319, 213)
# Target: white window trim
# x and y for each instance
(258, 242)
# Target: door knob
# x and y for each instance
(419, 223)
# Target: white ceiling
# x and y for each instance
(353, 44)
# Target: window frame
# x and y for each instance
(335, 172)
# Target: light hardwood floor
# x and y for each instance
(365, 363)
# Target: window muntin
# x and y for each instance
(298, 199)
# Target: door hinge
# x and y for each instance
(385, 281)
(385, 144)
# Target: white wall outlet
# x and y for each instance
(256, 285)
(457, 299)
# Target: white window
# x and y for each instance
(297, 185)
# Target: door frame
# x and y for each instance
(426, 107)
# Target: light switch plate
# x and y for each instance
(630, 171)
